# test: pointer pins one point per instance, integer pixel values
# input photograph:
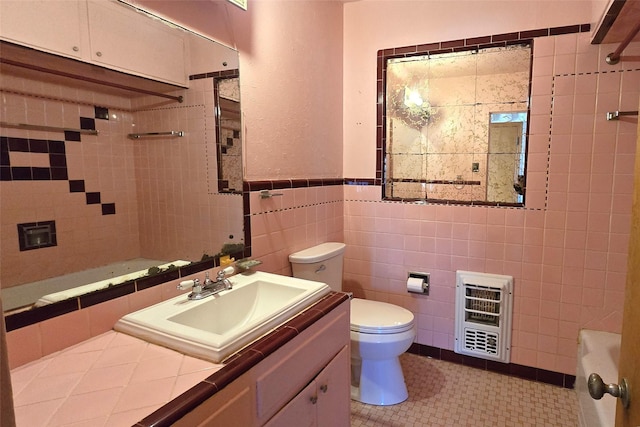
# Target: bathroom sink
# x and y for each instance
(215, 327)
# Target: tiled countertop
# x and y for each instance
(110, 380)
(118, 380)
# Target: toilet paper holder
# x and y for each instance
(425, 282)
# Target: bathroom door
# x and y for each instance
(630, 351)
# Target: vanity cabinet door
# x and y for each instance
(52, 26)
(300, 411)
(324, 402)
(334, 391)
(124, 40)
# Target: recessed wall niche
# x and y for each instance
(36, 235)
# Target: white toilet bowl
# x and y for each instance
(380, 333)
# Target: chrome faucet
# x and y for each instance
(210, 287)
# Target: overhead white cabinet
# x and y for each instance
(52, 26)
(105, 33)
(132, 42)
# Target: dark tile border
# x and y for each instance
(240, 363)
(526, 372)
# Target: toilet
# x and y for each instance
(380, 332)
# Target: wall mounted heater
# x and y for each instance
(484, 306)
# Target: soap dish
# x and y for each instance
(246, 264)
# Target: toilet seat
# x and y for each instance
(375, 317)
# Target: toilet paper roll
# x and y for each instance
(414, 284)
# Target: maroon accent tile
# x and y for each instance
(246, 201)
(556, 31)
(474, 362)
(270, 343)
(299, 183)
(30, 317)
(196, 267)
(236, 366)
(452, 43)
(151, 281)
(168, 414)
(315, 183)
(331, 301)
(543, 32)
(521, 371)
(414, 349)
(585, 28)
(304, 319)
(259, 185)
(102, 295)
(388, 52)
(550, 377)
(404, 50)
(504, 37)
(281, 184)
(569, 381)
(451, 356)
(498, 367)
(427, 47)
(478, 40)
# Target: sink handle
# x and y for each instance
(188, 284)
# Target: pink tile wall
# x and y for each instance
(299, 218)
(182, 215)
(567, 249)
(84, 235)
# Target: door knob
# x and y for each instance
(597, 389)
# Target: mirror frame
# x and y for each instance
(444, 47)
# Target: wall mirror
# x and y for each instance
(168, 210)
(456, 125)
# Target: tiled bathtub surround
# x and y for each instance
(96, 187)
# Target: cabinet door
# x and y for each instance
(52, 26)
(300, 411)
(129, 41)
(334, 391)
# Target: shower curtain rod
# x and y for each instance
(614, 57)
(26, 126)
(89, 79)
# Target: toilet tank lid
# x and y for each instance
(317, 253)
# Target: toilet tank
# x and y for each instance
(321, 263)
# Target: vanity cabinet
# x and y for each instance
(306, 382)
(320, 403)
(103, 33)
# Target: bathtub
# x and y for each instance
(598, 352)
(89, 275)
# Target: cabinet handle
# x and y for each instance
(314, 399)
(76, 48)
(98, 54)
(324, 388)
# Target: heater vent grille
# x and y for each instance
(483, 315)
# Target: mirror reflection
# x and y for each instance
(456, 126)
(114, 206)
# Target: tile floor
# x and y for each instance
(110, 380)
(447, 394)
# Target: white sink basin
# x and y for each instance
(217, 326)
